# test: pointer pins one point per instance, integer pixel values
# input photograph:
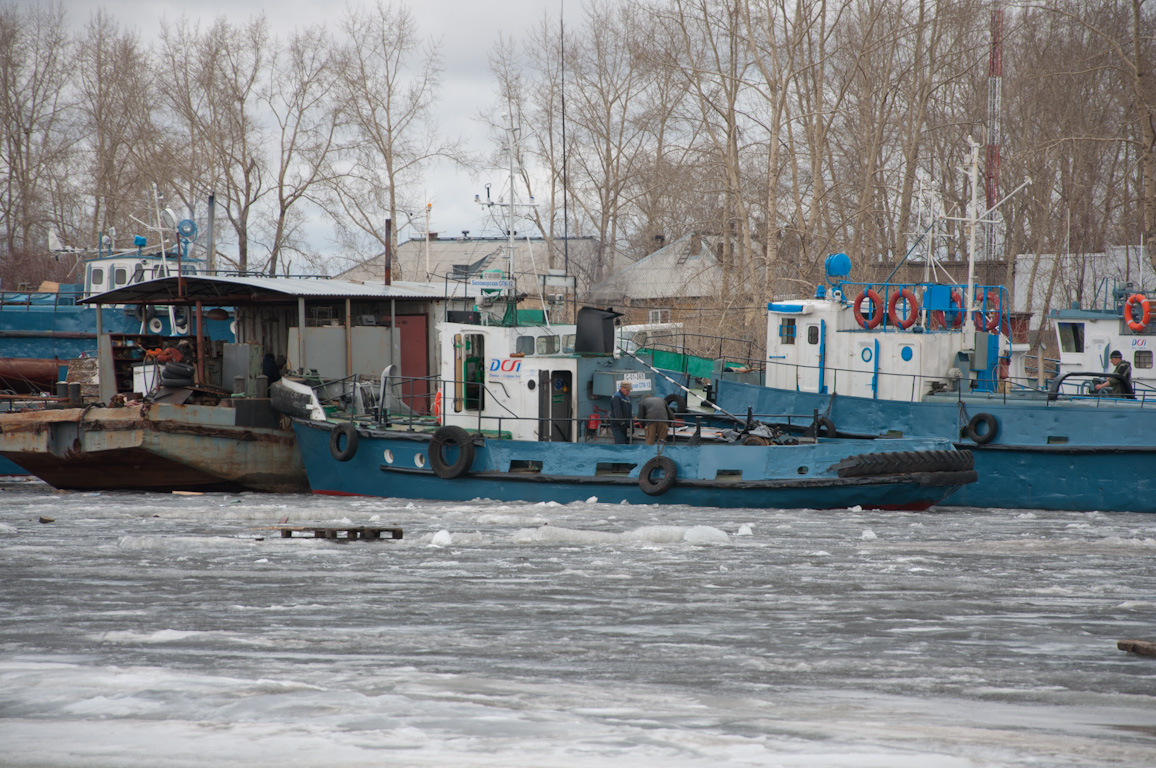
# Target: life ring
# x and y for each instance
(438, 407)
(912, 306)
(939, 317)
(983, 323)
(990, 428)
(876, 309)
(821, 427)
(653, 486)
(448, 437)
(336, 449)
(1145, 311)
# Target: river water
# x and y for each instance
(175, 630)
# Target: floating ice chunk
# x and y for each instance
(7, 529)
(592, 500)
(705, 534)
(442, 538)
(868, 535)
(855, 508)
(744, 530)
(374, 518)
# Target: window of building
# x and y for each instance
(787, 330)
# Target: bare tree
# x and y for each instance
(302, 80)
(116, 98)
(389, 82)
(35, 141)
(214, 81)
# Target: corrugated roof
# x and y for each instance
(463, 258)
(233, 291)
(685, 268)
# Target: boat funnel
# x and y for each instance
(595, 331)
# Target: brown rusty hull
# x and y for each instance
(156, 448)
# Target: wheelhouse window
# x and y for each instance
(96, 277)
(524, 345)
(119, 276)
(812, 334)
(787, 330)
(1071, 337)
(1142, 358)
(547, 345)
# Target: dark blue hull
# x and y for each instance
(396, 464)
(1074, 455)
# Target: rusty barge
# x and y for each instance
(239, 446)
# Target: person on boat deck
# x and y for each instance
(655, 413)
(1122, 386)
(621, 413)
(270, 369)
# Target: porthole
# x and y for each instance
(419, 460)
(388, 457)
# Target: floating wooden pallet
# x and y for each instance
(351, 532)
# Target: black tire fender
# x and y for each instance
(821, 427)
(349, 449)
(179, 370)
(676, 402)
(652, 486)
(991, 428)
(448, 437)
(175, 382)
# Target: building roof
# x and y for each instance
(462, 258)
(686, 268)
(235, 291)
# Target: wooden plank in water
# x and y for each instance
(334, 532)
(1142, 647)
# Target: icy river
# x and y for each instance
(172, 630)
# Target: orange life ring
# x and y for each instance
(912, 306)
(983, 323)
(876, 309)
(438, 407)
(939, 317)
(1145, 311)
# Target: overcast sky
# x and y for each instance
(467, 30)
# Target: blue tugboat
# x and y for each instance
(905, 359)
(516, 416)
(40, 331)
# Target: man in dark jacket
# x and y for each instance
(1122, 386)
(621, 413)
(656, 415)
